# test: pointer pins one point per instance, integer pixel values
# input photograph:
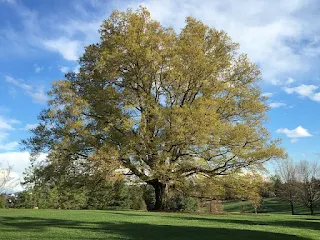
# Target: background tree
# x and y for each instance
(7, 181)
(286, 187)
(247, 186)
(308, 187)
(212, 191)
(162, 104)
(75, 187)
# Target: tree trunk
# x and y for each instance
(159, 190)
(292, 209)
(311, 209)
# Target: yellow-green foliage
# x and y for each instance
(166, 105)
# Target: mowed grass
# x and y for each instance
(85, 224)
(269, 205)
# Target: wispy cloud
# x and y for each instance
(29, 126)
(308, 91)
(66, 35)
(277, 104)
(283, 82)
(18, 83)
(76, 69)
(69, 49)
(8, 1)
(269, 31)
(9, 146)
(37, 94)
(64, 69)
(7, 125)
(267, 94)
(37, 68)
(290, 81)
(273, 33)
(266, 30)
(294, 134)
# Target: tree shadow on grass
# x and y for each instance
(40, 224)
(312, 224)
(135, 231)
(273, 205)
(305, 223)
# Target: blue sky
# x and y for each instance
(41, 40)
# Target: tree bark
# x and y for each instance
(292, 207)
(311, 209)
(159, 190)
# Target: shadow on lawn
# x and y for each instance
(135, 231)
(268, 206)
(312, 224)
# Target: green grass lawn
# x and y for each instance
(269, 205)
(74, 224)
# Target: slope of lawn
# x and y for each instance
(269, 205)
(82, 224)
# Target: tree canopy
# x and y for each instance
(166, 105)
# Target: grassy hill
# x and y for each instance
(135, 225)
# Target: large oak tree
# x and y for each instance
(166, 105)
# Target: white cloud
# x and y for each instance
(263, 28)
(316, 97)
(37, 68)
(19, 161)
(303, 90)
(9, 146)
(273, 33)
(269, 31)
(3, 135)
(68, 43)
(282, 82)
(4, 145)
(69, 49)
(308, 91)
(4, 125)
(277, 104)
(39, 96)
(7, 125)
(8, 1)
(64, 69)
(294, 134)
(18, 83)
(37, 93)
(30, 126)
(267, 94)
(290, 81)
(76, 69)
